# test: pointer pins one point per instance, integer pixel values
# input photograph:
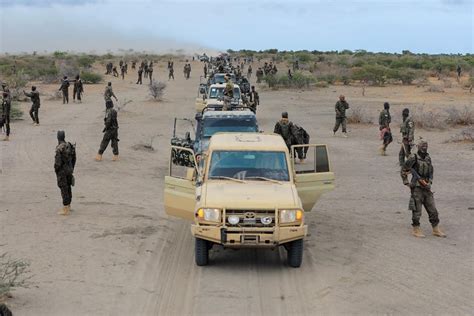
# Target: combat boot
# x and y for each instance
(6, 139)
(345, 135)
(98, 157)
(115, 158)
(437, 232)
(63, 211)
(417, 232)
(381, 151)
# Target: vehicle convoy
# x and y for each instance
(246, 192)
(215, 97)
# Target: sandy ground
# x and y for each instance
(119, 253)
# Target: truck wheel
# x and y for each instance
(295, 253)
(201, 252)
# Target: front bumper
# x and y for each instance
(236, 237)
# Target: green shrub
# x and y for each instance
(406, 76)
(15, 112)
(299, 80)
(373, 74)
(91, 77)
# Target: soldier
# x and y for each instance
(150, 72)
(64, 163)
(171, 73)
(205, 70)
(259, 75)
(78, 89)
(6, 89)
(341, 107)
(290, 75)
(115, 72)
(286, 129)
(302, 138)
(122, 72)
(110, 133)
(459, 70)
(145, 68)
(108, 94)
(254, 99)
(228, 93)
(134, 64)
(384, 127)
(126, 68)
(421, 168)
(249, 72)
(35, 98)
(140, 74)
(65, 89)
(6, 107)
(407, 129)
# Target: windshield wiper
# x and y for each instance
(227, 178)
(265, 179)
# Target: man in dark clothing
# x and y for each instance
(171, 73)
(64, 88)
(5, 116)
(287, 130)
(407, 128)
(110, 133)
(254, 99)
(78, 89)
(205, 70)
(421, 168)
(150, 72)
(384, 127)
(35, 98)
(64, 163)
(341, 107)
(140, 74)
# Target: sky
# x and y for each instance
(421, 26)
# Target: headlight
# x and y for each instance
(290, 216)
(233, 219)
(209, 214)
(267, 220)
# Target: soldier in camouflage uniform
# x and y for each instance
(35, 98)
(421, 168)
(64, 163)
(78, 89)
(384, 127)
(341, 107)
(5, 116)
(64, 88)
(171, 73)
(407, 129)
(150, 72)
(110, 133)
(140, 75)
(108, 94)
(286, 129)
(228, 93)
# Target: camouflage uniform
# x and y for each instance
(6, 108)
(65, 90)
(150, 72)
(407, 129)
(78, 89)
(228, 95)
(384, 127)
(108, 94)
(35, 98)
(171, 73)
(285, 128)
(140, 74)
(341, 107)
(64, 163)
(110, 132)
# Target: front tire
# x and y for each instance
(295, 253)
(201, 252)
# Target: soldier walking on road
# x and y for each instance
(205, 70)
(115, 72)
(340, 108)
(122, 72)
(140, 74)
(110, 133)
(78, 89)
(407, 129)
(249, 72)
(228, 93)
(5, 117)
(421, 169)
(35, 98)
(65, 89)
(171, 73)
(150, 72)
(108, 94)
(64, 163)
(292, 135)
(384, 127)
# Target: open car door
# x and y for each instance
(313, 177)
(180, 184)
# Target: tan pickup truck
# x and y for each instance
(247, 192)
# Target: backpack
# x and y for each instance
(71, 154)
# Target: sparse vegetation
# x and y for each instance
(466, 135)
(91, 77)
(13, 274)
(358, 115)
(157, 90)
(15, 112)
(298, 80)
(456, 116)
(428, 119)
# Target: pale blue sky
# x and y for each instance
(424, 26)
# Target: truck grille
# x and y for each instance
(252, 218)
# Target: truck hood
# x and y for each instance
(253, 195)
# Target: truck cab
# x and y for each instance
(215, 97)
(248, 192)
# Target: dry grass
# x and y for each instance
(359, 115)
(157, 90)
(13, 274)
(456, 116)
(435, 88)
(428, 119)
(466, 135)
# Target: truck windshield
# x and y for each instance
(212, 126)
(249, 165)
(214, 93)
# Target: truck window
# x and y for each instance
(249, 164)
(212, 126)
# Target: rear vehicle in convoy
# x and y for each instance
(246, 192)
(215, 97)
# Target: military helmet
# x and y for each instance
(284, 114)
(61, 135)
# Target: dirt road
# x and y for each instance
(119, 253)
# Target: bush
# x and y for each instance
(91, 77)
(15, 112)
(298, 80)
(466, 135)
(17, 83)
(358, 115)
(435, 88)
(406, 76)
(372, 74)
(464, 116)
(157, 89)
(13, 273)
(429, 119)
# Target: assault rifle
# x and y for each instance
(415, 178)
